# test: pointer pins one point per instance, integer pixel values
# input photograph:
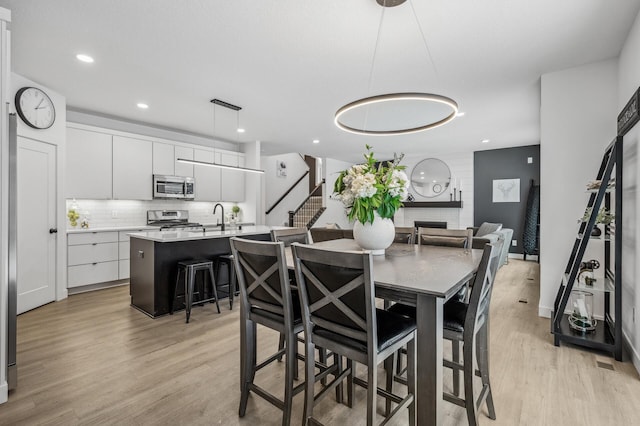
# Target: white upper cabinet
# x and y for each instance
(132, 169)
(207, 179)
(88, 166)
(163, 159)
(183, 169)
(232, 187)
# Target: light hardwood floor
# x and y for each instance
(92, 359)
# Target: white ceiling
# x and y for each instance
(290, 64)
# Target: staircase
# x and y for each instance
(308, 213)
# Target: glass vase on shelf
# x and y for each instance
(72, 214)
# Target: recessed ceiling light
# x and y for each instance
(460, 114)
(316, 141)
(485, 141)
(421, 173)
(240, 130)
(84, 58)
(142, 105)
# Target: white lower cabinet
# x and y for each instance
(81, 275)
(96, 257)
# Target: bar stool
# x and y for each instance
(227, 260)
(190, 268)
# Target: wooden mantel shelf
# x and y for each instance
(434, 204)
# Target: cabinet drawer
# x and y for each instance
(92, 237)
(123, 250)
(123, 269)
(92, 273)
(92, 253)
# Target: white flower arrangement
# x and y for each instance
(368, 188)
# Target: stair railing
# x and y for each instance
(270, 209)
(307, 208)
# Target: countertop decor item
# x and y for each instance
(372, 193)
(73, 214)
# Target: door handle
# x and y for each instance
(53, 230)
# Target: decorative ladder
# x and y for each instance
(608, 334)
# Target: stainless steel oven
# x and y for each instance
(177, 187)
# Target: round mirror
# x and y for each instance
(431, 177)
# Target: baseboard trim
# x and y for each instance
(4, 392)
(544, 311)
(98, 286)
(635, 357)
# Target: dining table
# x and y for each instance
(425, 277)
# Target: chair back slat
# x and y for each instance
(445, 237)
(262, 276)
(292, 235)
(336, 292)
(405, 234)
(480, 298)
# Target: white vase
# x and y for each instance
(376, 236)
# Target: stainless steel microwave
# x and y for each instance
(176, 187)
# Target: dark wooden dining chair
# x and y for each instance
(467, 323)
(339, 314)
(265, 299)
(405, 234)
(288, 236)
(292, 235)
(445, 237)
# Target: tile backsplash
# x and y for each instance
(107, 213)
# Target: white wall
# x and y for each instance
(628, 83)
(577, 122)
(5, 49)
(55, 135)
(276, 186)
(252, 210)
(461, 167)
(335, 212)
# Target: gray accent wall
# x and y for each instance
(507, 163)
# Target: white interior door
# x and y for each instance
(36, 185)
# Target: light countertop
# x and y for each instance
(111, 228)
(133, 228)
(174, 236)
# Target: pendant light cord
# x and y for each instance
(424, 39)
(373, 62)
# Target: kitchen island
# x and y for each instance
(155, 256)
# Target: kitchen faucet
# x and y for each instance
(214, 212)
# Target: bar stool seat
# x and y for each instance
(190, 268)
(232, 287)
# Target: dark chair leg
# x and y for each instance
(411, 379)
(352, 372)
(280, 346)
(388, 368)
(247, 362)
(372, 393)
(483, 365)
(232, 284)
(190, 277)
(175, 292)
(322, 357)
(455, 357)
(337, 361)
(291, 366)
(309, 377)
(213, 284)
(469, 373)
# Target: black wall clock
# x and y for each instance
(35, 108)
